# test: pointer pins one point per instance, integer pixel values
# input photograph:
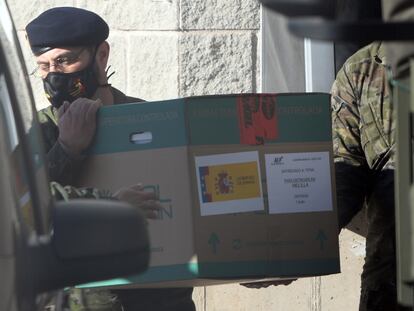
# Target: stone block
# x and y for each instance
(136, 15)
(220, 14)
(23, 11)
(216, 63)
(152, 65)
(118, 60)
(257, 42)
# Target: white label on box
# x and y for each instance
(229, 183)
(298, 182)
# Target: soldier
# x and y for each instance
(72, 54)
(364, 156)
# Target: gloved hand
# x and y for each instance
(77, 124)
(136, 196)
(265, 284)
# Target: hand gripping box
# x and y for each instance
(246, 183)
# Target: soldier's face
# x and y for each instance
(72, 72)
(68, 74)
(65, 60)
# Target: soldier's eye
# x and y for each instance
(62, 60)
(44, 67)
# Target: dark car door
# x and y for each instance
(43, 245)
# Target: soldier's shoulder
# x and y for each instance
(365, 57)
(121, 98)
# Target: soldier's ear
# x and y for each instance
(101, 61)
(102, 55)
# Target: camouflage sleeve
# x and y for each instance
(61, 165)
(351, 171)
(66, 193)
(345, 120)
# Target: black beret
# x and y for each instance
(65, 26)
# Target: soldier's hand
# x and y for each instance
(77, 124)
(265, 284)
(136, 196)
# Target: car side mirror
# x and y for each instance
(91, 240)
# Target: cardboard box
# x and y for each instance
(245, 181)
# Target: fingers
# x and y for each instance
(266, 284)
(135, 194)
(86, 108)
(77, 123)
(138, 197)
(145, 195)
(91, 109)
(62, 109)
(151, 209)
(137, 187)
(151, 205)
(250, 285)
(140, 191)
(81, 107)
(256, 285)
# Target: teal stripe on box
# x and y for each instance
(155, 274)
(213, 120)
(228, 270)
(304, 118)
(164, 121)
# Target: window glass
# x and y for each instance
(8, 113)
(31, 182)
(19, 180)
(292, 64)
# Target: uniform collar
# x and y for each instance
(380, 54)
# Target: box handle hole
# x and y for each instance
(140, 138)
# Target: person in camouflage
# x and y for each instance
(364, 157)
(72, 59)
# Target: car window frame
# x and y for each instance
(9, 47)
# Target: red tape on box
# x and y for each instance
(257, 118)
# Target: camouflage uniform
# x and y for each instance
(364, 155)
(66, 193)
(85, 299)
(63, 168)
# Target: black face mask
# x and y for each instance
(60, 87)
